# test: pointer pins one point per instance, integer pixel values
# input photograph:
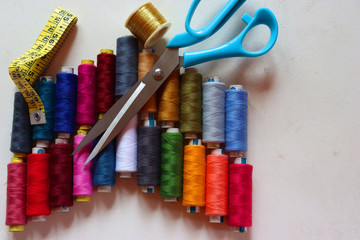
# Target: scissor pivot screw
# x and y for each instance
(158, 74)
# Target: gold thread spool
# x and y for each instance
(147, 59)
(169, 99)
(147, 24)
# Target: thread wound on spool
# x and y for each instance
(65, 103)
(213, 118)
(147, 24)
(169, 98)
(37, 192)
(21, 141)
(148, 156)
(82, 185)
(146, 61)
(126, 64)
(16, 194)
(240, 195)
(217, 185)
(104, 166)
(61, 175)
(190, 103)
(85, 108)
(236, 120)
(171, 164)
(105, 82)
(126, 147)
(46, 91)
(194, 176)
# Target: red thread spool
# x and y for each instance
(38, 183)
(105, 80)
(240, 195)
(16, 194)
(217, 169)
(61, 175)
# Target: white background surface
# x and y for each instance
(304, 120)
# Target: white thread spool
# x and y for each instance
(126, 149)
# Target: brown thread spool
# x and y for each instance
(147, 24)
(147, 59)
(169, 100)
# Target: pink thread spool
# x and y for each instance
(85, 112)
(82, 188)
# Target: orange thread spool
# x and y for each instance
(194, 176)
(147, 60)
(169, 99)
(217, 172)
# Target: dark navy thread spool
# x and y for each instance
(126, 64)
(236, 120)
(148, 156)
(21, 141)
(65, 102)
(43, 133)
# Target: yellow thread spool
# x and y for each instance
(194, 175)
(147, 24)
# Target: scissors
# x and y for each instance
(128, 105)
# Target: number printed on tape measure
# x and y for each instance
(26, 69)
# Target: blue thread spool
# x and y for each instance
(65, 102)
(236, 120)
(43, 133)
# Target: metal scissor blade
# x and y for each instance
(121, 113)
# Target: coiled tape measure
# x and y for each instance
(26, 69)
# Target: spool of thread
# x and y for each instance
(65, 102)
(213, 116)
(61, 175)
(82, 185)
(105, 80)
(104, 168)
(16, 195)
(21, 141)
(190, 103)
(45, 88)
(147, 60)
(240, 196)
(194, 176)
(85, 108)
(172, 156)
(236, 119)
(148, 156)
(169, 101)
(217, 167)
(126, 64)
(147, 24)
(126, 149)
(38, 185)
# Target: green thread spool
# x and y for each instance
(190, 102)
(172, 156)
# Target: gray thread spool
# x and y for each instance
(213, 118)
(126, 64)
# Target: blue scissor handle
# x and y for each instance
(234, 47)
(191, 37)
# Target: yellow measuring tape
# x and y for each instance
(26, 69)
